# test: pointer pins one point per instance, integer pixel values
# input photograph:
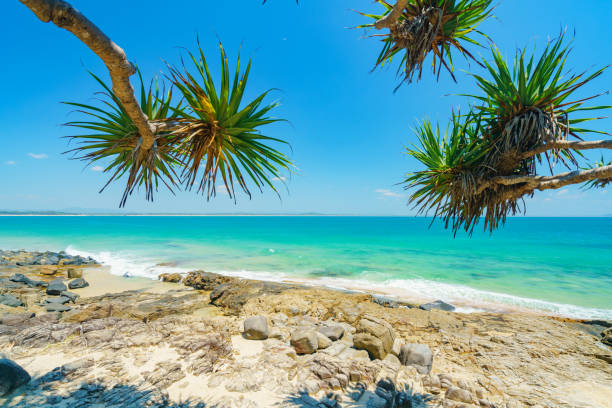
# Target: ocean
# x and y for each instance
(552, 265)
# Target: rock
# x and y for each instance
(74, 273)
(392, 360)
(397, 347)
(418, 356)
(20, 277)
(256, 328)
(374, 335)
(72, 296)
(333, 332)
(57, 307)
(170, 277)
(56, 287)
(205, 280)
(9, 300)
(458, 394)
(78, 283)
(304, 341)
(323, 341)
(439, 305)
(16, 319)
(607, 336)
(11, 376)
(59, 300)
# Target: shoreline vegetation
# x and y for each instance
(85, 336)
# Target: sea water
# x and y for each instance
(553, 265)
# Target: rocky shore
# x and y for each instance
(68, 339)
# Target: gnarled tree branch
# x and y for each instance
(569, 144)
(63, 15)
(531, 183)
(391, 18)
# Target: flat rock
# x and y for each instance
(57, 300)
(9, 300)
(439, 305)
(20, 277)
(70, 295)
(256, 328)
(78, 283)
(56, 287)
(304, 341)
(458, 394)
(57, 307)
(333, 332)
(12, 376)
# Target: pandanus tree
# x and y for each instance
(526, 119)
(208, 134)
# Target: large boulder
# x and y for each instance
(11, 376)
(418, 356)
(439, 305)
(256, 328)
(305, 341)
(374, 335)
(78, 283)
(56, 287)
(73, 273)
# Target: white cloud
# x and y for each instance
(38, 155)
(388, 193)
(221, 189)
(97, 168)
(10, 163)
(279, 178)
(562, 192)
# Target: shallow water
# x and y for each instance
(558, 265)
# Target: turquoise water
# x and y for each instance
(559, 265)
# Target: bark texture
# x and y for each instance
(391, 18)
(63, 15)
(569, 144)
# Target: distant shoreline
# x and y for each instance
(273, 215)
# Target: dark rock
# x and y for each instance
(606, 337)
(58, 300)
(56, 287)
(417, 355)
(70, 295)
(78, 283)
(57, 307)
(333, 332)
(256, 328)
(11, 376)
(439, 305)
(9, 300)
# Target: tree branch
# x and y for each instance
(391, 18)
(120, 69)
(550, 182)
(567, 144)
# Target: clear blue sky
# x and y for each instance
(347, 127)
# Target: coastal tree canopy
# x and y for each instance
(483, 165)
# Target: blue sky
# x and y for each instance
(346, 127)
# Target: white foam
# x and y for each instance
(466, 298)
(124, 264)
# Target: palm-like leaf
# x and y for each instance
(220, 132)
(436, 26)
(521, 109)
(210, 128)
(116, 140)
